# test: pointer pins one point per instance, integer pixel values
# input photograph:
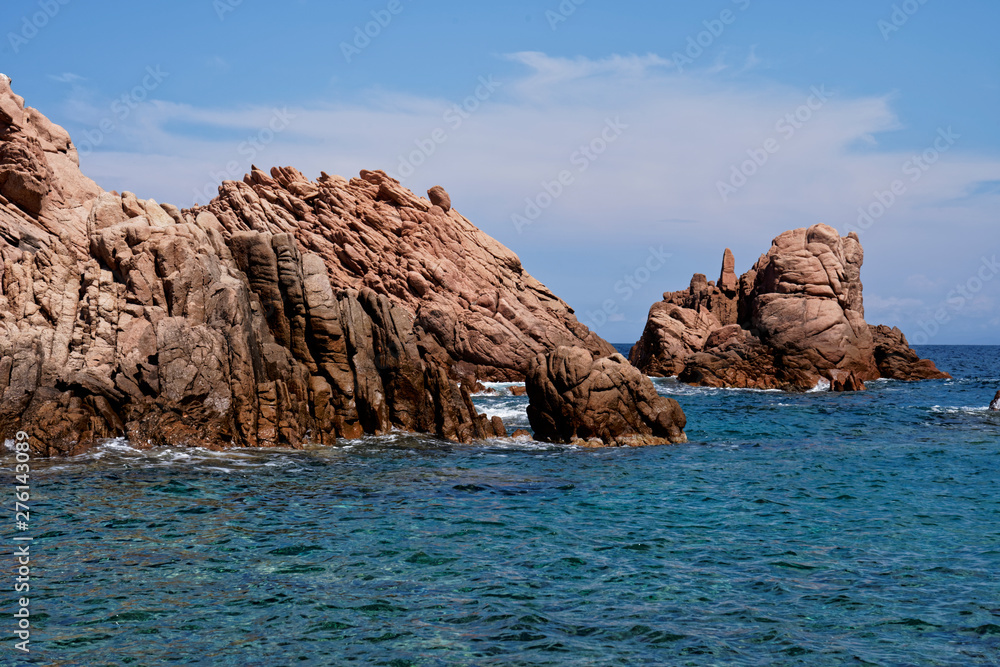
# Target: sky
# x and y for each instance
(617, 148)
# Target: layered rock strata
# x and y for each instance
(575, 398)
(795, 318)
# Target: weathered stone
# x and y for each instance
(577, 399)
(897, 360)
(120, 317)
(469, 293)
(841, 380)
(795, 318)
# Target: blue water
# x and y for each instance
(812, 529)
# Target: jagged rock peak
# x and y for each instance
(795, 318)
(467, 291)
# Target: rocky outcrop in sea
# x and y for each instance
(578, 399)
(794, 319)
(285, 312)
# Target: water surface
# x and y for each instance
(813, 529)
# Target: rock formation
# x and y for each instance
(577, 399)
(469, 293)
(795, 318)
(286, 312)
(897, 360)
(995, 404)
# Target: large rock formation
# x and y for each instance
(300, 313)
(603, 402)
(468, 292)
(795, 318)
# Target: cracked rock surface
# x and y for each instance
(795, 318)
(603, 402)
(268, 319)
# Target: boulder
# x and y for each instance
(795, 318)
(841, 380)
(897, 360)
(575, 398)
(995, 403)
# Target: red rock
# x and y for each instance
(841, 380)
(468, 293)
(575, 398)
(439, 198)
(121, 317)
(897, 361)
(728, 282)
(796, 317)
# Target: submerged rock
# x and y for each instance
(795, 318)
(575, 398)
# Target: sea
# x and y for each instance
(793, 529)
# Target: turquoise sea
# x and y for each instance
(794, 529)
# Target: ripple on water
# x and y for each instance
(805, 528)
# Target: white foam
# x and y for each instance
(504, 412)
(951, 410)
(822, 385)
(498, 388)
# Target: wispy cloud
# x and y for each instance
(67, 77)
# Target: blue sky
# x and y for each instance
(677, 128)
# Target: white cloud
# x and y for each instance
(67, 77)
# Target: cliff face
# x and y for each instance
(285, 312)
(796, 317)
(468, 292)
